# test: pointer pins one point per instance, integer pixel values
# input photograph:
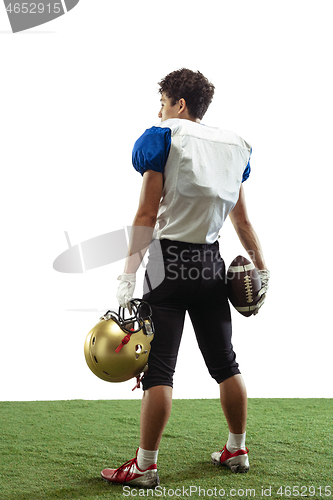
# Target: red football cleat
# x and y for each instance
(237, 462)
(130, 473)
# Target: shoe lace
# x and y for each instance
(122, 468)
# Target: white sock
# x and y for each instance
(145, 458)
(236, 442)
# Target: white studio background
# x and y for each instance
(76, 94)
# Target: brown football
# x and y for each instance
(243, 285)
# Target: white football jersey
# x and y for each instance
(203, 168)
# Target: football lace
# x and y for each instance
(248, 289)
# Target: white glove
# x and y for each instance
(126, 289)
(264, 276)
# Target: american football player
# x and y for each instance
(192, 179)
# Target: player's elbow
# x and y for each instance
(240, 223)
(146, 219)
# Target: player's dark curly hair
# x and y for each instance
(189, 85)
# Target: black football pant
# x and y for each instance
(194, 281)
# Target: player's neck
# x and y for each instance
(188, 117)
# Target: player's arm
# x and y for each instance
(244, 229)
(145, 219)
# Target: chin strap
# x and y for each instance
(138, 381)
(139, 378)
(125, 340)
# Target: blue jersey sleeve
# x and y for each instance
(247, 170)
(151, 150)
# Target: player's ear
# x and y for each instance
(182, 105)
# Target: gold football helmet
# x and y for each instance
(117, 349)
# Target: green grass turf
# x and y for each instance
(56, 449)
